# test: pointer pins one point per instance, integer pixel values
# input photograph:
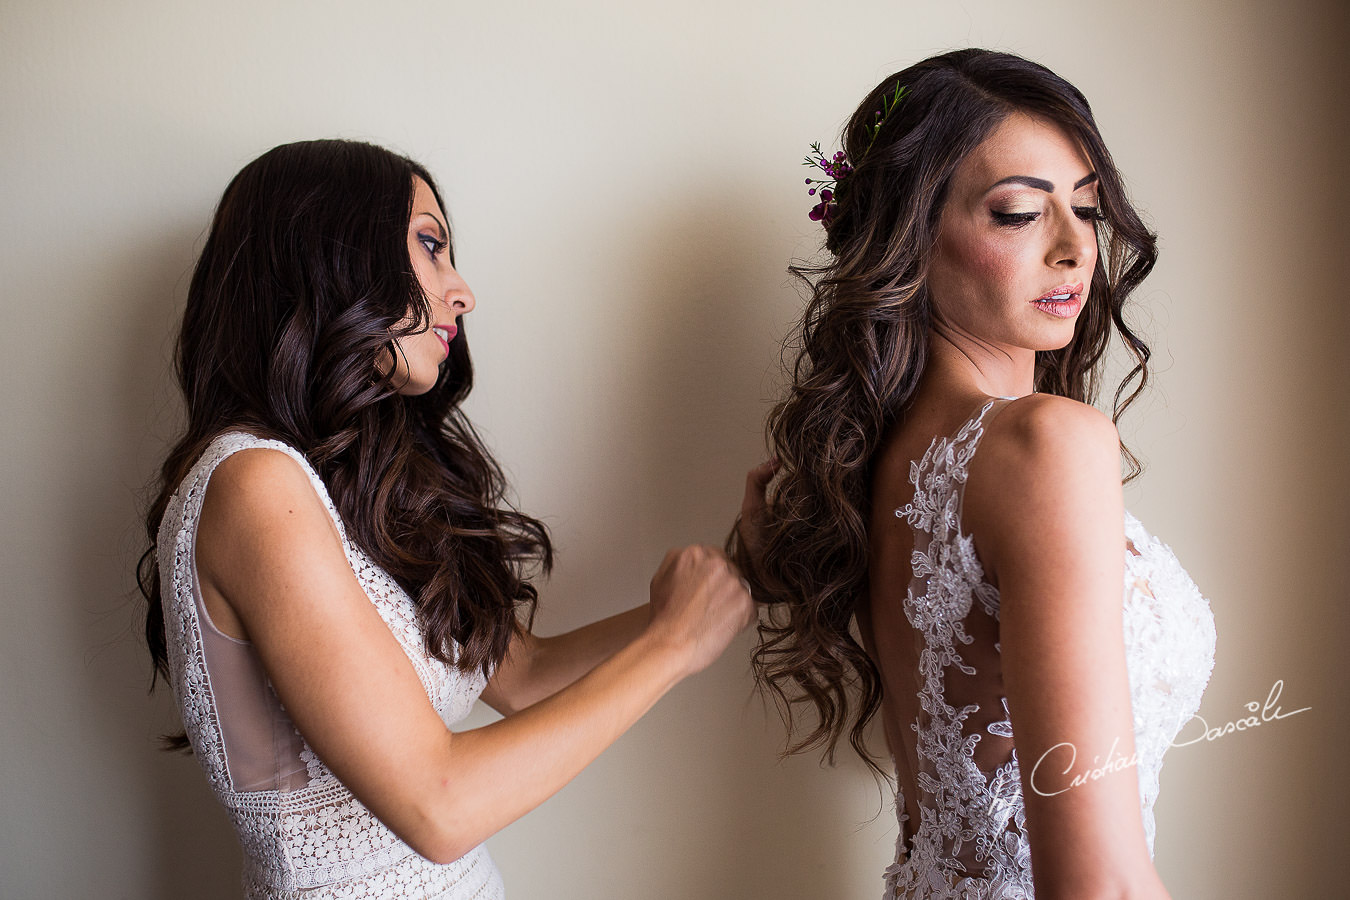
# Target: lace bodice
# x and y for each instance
(971, 840)
(303, 833)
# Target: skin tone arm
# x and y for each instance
(1045, 506)
(270, 558)
(539, 667)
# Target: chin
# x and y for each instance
(1060, 345)
(1048, 342)
(416, 388)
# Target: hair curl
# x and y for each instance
(861, 348)
(304, 281)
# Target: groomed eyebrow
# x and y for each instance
(1041, 184)
(439, 226)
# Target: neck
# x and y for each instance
(958, 368)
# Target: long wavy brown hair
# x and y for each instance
(301, 285)
(860, 350)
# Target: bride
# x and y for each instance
(1031, 648)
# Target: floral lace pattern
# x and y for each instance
(971, 840)
(317, 841)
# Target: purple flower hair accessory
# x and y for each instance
(838, 166)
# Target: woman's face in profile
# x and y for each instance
(419, 356)
(1017, 243)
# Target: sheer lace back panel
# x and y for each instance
(303, 833)
(958, 748)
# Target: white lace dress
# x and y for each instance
(303, 833)
(971, 840)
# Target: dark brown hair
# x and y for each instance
(860, 350)
(301, 285)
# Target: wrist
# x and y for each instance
(671, 656)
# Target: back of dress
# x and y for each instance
(304, 835)
(952, 740)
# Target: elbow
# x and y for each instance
(441, 830)
(445, 849)
(443, 844)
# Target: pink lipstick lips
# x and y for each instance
(1063, 302)
(445, 334)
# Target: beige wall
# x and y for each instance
(624, 179)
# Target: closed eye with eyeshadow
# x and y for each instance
(1019, 219)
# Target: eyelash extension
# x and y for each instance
(1017, 220)
(1014, 220)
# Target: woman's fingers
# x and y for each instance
(753, 506)
(756, 481)
(700, 601)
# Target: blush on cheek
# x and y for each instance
(986, 258)
(971, 267)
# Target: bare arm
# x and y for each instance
(267, 545)
(1044, 502)
(539, 667)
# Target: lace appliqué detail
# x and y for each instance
(1170, 641)
(317, 841)
(971, 841)
(960, 808)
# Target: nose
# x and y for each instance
(1074, 244)
(458, 296)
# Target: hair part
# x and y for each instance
(860, 349)
(302, 284)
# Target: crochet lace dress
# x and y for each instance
(303, 833)
(971, 840)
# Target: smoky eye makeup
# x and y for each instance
(1012, 208)
(1014, 211)
(1088, 206)
(1013, 219)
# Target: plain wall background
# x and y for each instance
(625, 185)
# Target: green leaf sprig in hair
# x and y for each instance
(838, 166)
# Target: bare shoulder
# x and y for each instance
(259, 486)
(260, 509)
(1038, 441)
(1046, 465)
(1039, 424)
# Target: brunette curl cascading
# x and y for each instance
(300, 287)
(860, 350)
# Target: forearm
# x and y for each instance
(497, 773)
(544, 666)
(562, 659)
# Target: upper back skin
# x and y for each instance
(1009, 426)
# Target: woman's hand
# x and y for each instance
(691, 595)
(699, 603)
(754, 506)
